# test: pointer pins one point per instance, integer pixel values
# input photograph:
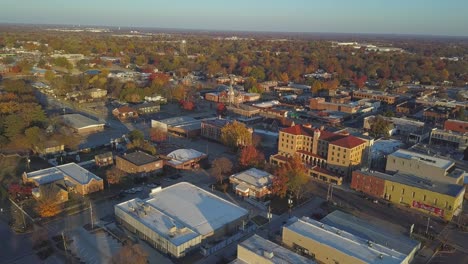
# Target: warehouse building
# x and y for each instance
(180, 218)
(184, 126)
(82, 124)
(330, 245)
(435, 198)
(256, 249)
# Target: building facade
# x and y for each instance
(252, 183)
(139, 163)
(335, 153)
(376, 95)
(435, 198)
(457, 140)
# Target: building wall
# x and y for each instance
(157, 241)
(456, 125)
(210, 131)
(88, 130)
(389, 99)
(320, 252)
(343, 160)
(455, 139)
(409, 195)
(418, 168)
(367, 184)
(129, 167)
(253, 191)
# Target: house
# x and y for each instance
(77, 178)
(252, 183)
(139, 162)
(104, 159)
(125, 113)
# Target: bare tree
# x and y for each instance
(134, 254)
(221, 166)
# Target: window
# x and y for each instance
(435, 201)
(413, 194)
(393, 188)
(403, 191)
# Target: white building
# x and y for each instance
(180, 217)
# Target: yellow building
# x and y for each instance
(329, 245)
(333, 155)
(435, 198)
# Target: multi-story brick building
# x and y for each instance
(436, 198)
(139, 163)
(335, 153)
(438, 113)
(211, 129)
(376, 95)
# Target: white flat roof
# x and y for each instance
(183, 155)
(198, 209)
(345, 242)
(78, 121)
(429, 160)
(271, 251)
(255, 177)
(157, 221)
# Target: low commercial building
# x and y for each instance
(376, 95)
(97, 93)
(180, 218)
(319, 103)
(456, 140)
(124, 113)
(139, 162)
(435, 198)
(184, 126)
(331, 245)
(424, 166)
(81, 124)
(376, 230)
(147, 108)
(256, 249)
(243, 110)
(104, 159)
(185, 159)
(252, 183)
(50, 147)
(77, 178)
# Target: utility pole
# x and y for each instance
(91, 214)
(427, 227)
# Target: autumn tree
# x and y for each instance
(291, 176)
(130, 254)
(249, 156)
(158, 134)
(221, 167)
(114, 176)
(236, 134)
(48, 204)
(379, 127)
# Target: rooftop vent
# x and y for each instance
(380, 256)
(369, 243)
(268, 254)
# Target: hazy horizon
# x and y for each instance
(398, 17)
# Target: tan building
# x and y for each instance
(252, 183)
(104, 159)
(424, 166)
(376, 95)
(77, 178)
(256, 249)
(329, 245)
(319, 103)
(81, 124)
(335, 153)
(139, 162)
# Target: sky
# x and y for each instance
(426, 17)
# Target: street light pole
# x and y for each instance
(290, 204)
(427, 227)
(91, 214)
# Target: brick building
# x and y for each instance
(376, 95)
(139, 163)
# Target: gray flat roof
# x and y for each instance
(381, 232)
(271, 251)
(174, 231)
(78, 121)
(429, 160)
(198, 209)
(422, 183)
(255, 177)
(139, 158)
(72, 170)
(349, 244)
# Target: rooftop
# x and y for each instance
(183, 155)
(78, 121)
(270, 251)
(428, 160)
(348, 142)
(200, 210)
(381, 232)
(139, 158)
(255, 177)
(349, 244)
(411, 180)
(171, 229)
(72, 170)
